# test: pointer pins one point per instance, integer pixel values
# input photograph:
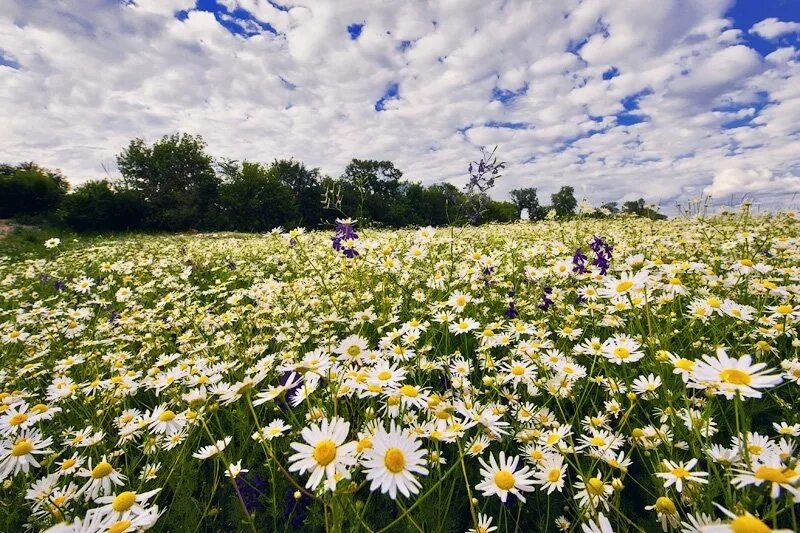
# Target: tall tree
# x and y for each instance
(306, 185)
(526, 199)
(253, 197)
(28, 189)
(175, 177)
(564, 202)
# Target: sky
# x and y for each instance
(621, 99)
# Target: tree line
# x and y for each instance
(174, 184)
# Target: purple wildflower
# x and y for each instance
(602, 251)
(547, 301)
(344, 237)
(579, 261)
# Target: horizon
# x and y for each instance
(619, 100)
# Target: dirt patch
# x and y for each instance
(7, 226)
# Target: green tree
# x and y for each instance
(638, 208)
(611, 207)
(376, 185)
(176, 179)
(306, 186)
(28, 189)
(495, 211)
(100, 206)
(564, 201)
(527, 199)
(253, 197)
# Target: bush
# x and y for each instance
(98, 206)
(29, 190)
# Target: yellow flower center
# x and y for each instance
(23, 447)
(665, 506)
(383, 375)
(123, 501)
(595, 486)
(325, 452)
(364, 444)
(746, 262)
(18, 419)
(553, 475)
(624, 286)
(504, 480)
(749, 524)
(680, 472)
(714, 303)
(166, 416)
(101, 470)
(120, 527)
(68, 463)
(684, 364)
(409, 390)
(784, 309)
(395, 460)
(621, 352)
(461, 301)
(675, 281)
(353, 350)
(775, 475)
(517, 370)
(735, 377)
(597, 440)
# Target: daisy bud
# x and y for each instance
(474, 501)
(488, 381)
(617, 485)
(297, 495)
(631, 396)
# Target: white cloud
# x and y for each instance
(773, 28)
(84, 78)
(742, 181)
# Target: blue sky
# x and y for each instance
(621, 99)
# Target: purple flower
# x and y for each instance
(343, 237)
(602, 252)
(579, 261)
(547, 301)
(511, 309)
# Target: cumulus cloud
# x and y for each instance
(773, 28)
(619, 99)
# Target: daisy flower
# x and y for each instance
(677, 473)
(622, 349)
(666, 511)
(126, 505)
(769, 470)
(17, 453)
(550, 473)
(593, 492)
(102, 477)
(484, 525)
(729, 376)
(324, 453)
(502, 477)
(213, 449)
(391, 462)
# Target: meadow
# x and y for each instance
(615, 374)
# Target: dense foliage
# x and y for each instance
(175, 185)
(611, 374)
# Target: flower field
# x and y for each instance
(592, 375)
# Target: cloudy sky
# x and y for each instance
(664, 99)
